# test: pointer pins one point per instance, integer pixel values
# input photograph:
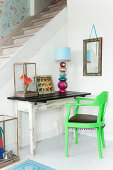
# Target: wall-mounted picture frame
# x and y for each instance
(92, 57)
(45, 84)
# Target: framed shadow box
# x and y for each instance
(45, 84)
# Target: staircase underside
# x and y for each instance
(28, 29)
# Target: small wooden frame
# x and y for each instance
(45, 84)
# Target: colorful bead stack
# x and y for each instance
(62, 84)
(63, 54)
(1, 144)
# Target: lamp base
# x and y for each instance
(62, 91)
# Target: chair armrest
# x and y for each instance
(84, 99)
(77, 107)
(75, 104)
(68, 114)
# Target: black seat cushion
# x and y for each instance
(83, 118)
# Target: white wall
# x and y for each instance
(81, 16)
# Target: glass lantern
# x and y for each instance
(9, 152)
(25, 84)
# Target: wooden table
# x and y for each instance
(41, 103)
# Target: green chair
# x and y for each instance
(86, 120)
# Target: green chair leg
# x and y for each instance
(99, 142)
(102, 137)
(66, 141)
(76, 136)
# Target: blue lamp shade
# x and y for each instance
(63, 54)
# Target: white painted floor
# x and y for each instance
(82, 156)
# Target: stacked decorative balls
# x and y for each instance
(62, 84)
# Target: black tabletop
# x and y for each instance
(52, 96)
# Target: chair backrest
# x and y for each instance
(101, 101)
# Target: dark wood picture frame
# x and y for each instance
(85, 42)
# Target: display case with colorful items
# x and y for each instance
(25, 84)
(63, 54)
(1, 143)
(9, 152)
(45, 84)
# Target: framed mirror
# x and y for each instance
(92, 57)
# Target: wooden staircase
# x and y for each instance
(28, 31)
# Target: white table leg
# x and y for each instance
(32, 129)
(18, 114)
(62, 121)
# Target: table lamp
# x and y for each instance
(63, 54)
